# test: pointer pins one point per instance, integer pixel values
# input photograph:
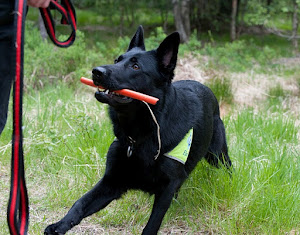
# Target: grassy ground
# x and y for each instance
(67, 134)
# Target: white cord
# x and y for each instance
(158, 130)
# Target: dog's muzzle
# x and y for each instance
(99, 74)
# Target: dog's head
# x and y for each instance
(137, 69)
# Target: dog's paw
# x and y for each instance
(53, 229)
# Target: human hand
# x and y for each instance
(38, 3)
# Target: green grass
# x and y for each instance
(67, 134)
(221, 87)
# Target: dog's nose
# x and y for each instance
(99, 72)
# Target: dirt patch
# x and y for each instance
(251, 89)
(248, 89)
(188, 67)
(4, 190)
(289, 62)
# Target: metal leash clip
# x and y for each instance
(130, 147)
(129, 151)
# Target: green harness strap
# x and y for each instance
(181, 152)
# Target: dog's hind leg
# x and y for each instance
(161, 204)
(218, 151)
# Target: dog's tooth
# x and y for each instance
(106, 92)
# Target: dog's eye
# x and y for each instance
(116, 61)
(135, 66)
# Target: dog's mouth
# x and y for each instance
(107, 96)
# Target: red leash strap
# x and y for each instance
(18, 205)
(69, 17)
(18, 210)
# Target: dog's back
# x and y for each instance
(197, 107)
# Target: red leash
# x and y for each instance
(18, 211)
(18, 205)
(68, 17)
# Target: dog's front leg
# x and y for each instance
(96, 199)
(161, 204)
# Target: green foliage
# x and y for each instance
(211, 15)
(193, 45)
(246, 53)
(152, 42)
(276, 96)
(221, 87)
(156, 37)
(47, 64)
(256, 13)
(234, 55)
(122, 46)
(120, 14)
(283, 6)
(88, 17)
(277, 92)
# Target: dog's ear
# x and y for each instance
(167, 55)
(137, 40)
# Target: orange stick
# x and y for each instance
(126, 92)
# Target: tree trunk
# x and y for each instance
(243, 9)
(132, 13)
(295, 27)
(182, 18)
(121, 28)
(233, 20)
(185, 14)
(164, 14)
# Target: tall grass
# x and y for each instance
(67, 134)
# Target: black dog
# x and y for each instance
(143, 154)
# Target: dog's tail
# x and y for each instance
(218, 150)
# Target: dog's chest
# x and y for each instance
(138, 175)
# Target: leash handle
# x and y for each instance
(18, 209)
(68, 17)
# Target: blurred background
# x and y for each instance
(221, 40)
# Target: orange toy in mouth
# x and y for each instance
(125, 92)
